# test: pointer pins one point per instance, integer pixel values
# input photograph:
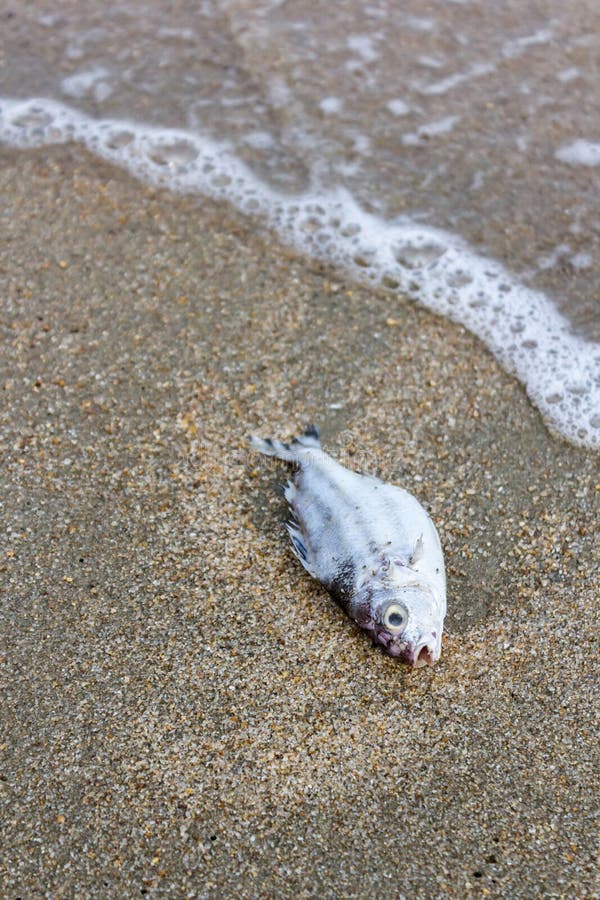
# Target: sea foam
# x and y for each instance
(526, 333)
(580, 153)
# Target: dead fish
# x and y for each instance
(371, 544)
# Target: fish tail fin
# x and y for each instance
(291, 452)
(310, 437)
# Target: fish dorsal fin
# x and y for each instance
(417, 553)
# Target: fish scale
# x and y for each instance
(371, 544)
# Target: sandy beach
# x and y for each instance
(184, 712)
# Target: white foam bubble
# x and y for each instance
(522, 328)
(419, 23)
(514, 48)
(260, 140)
(430, 62)
(550, 260)
(93, 81)
(452, 81)
(429, 130)
(331, 105)
(567, 75)
(398, 107)
(363, 45)
(580, 153)
(582, 260)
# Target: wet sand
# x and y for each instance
(185, 713)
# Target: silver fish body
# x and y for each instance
(371, 544)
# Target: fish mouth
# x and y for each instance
(416, 656)
(416, 651)
(423, 656)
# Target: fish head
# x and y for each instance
(407, 622)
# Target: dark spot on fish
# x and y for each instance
(341, 586)
(312, 431)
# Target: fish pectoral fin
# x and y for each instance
(417, 553)
(297, 539)
(299, 546)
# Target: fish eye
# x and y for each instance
(395, 617)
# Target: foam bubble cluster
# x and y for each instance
(580, 153)
(526, 333)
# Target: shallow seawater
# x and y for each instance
(449, 151)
